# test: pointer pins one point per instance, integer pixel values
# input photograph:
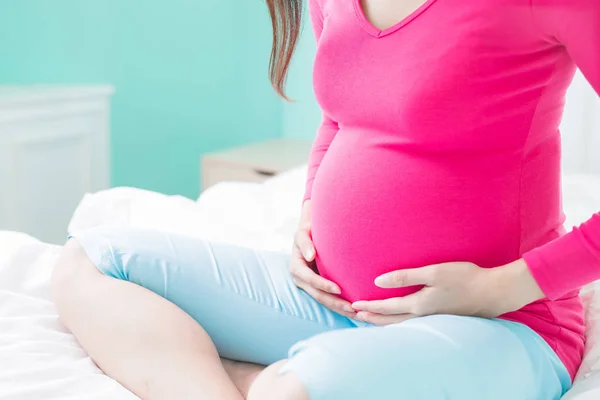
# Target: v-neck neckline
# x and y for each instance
(374, 31)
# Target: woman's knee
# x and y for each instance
(72, 271)
(72, 261)
(275, 384)
(320, 367)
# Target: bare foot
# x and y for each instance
(242, 374)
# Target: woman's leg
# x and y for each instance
(242, 374)
(437, 357)
(111, 288)
(135, 336)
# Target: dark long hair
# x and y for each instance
(286, 17)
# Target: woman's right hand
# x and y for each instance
(304, 272)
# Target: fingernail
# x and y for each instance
(356, 305)
(334, 290)
(349, 308)
(309, 254)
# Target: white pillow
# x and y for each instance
(582, 199)
(124, 206)
(588, 389)
(263, 216)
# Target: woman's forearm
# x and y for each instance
(305, 216)
(514, 286)
(568, 262)
(325, 135)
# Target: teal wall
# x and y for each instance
(190, 75)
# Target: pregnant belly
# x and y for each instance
(376, 210)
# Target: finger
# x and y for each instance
(382, 320)
(303, 272)
(331, 302)
(397, 305)
(406, 277)
(305, 244)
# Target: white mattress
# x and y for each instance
(39, 359)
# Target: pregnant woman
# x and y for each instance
(431, 262)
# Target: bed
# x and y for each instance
(40, 359)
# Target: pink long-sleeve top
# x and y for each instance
(440, 142)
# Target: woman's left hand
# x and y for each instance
(458, 288)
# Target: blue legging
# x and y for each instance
(248, 304)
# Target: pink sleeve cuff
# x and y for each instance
(569, 262)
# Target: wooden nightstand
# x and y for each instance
(255, 162)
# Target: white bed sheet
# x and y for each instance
(39, 359)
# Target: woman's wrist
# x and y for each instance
(514, 286)
(305, 214)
